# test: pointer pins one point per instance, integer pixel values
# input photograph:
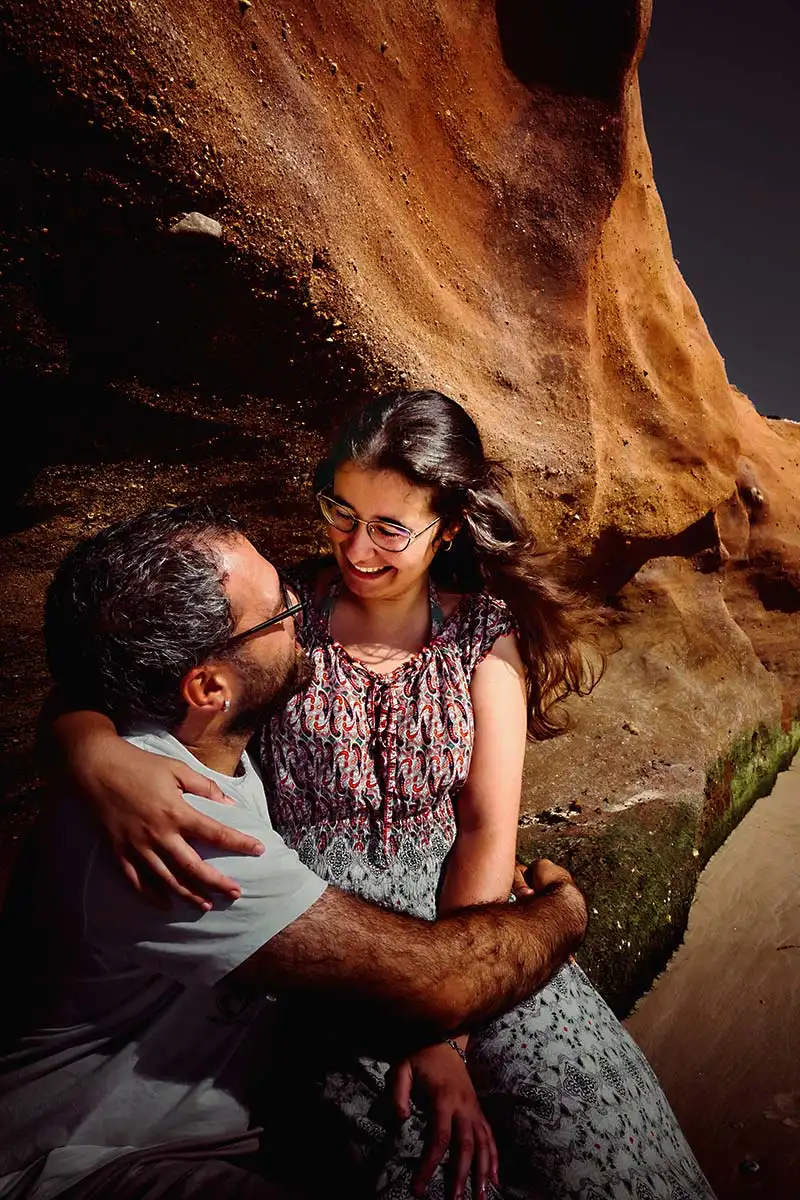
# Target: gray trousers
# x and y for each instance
(174, 1179)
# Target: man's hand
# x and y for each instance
(537, 878)
(540, 875)
(456, 1122)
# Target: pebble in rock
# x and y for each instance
(197, 223)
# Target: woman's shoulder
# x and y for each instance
(475, 621)
(472, 606)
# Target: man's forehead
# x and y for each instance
(247, 572)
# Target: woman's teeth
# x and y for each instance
(367, 570)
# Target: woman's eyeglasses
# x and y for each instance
(293, 607)
(386, 535)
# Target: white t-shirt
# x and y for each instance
(138, 1039)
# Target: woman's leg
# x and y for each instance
(573, 1102)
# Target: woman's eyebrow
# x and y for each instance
(386, 520)
(339, 500)
(391, 521)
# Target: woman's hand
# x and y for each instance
(138, 798)
(455, 1119)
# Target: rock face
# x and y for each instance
(444, 194)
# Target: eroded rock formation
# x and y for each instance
(447, 194)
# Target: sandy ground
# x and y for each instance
(721, 1025)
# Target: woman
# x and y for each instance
(438, 640)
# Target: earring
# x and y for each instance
(448, 545)
(226, 706)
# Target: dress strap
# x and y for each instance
(437, 612)
(328, 601)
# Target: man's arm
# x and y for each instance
(392, 983)
(393, 978)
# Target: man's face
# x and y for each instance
(270, 667)
(264, 692)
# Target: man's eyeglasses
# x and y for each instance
(293, 607)
(385, 534)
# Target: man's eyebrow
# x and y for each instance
(267, 617)
(282, 600)
(279, 607)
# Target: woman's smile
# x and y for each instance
(367, 572)
(382, 496)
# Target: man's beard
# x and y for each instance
(266, 690)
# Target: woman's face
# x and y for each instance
(368, 570)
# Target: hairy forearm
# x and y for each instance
(502, 953)
(403, 982)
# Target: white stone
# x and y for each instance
(197, 223)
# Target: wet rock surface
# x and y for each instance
(427, 197)
(715, 1024)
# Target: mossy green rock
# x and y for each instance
(639, 869)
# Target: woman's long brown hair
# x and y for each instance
(433, 442)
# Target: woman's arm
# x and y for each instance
(138, 798)
(480, 866)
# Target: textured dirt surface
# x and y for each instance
(440, 193)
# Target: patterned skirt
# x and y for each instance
(576, 1110)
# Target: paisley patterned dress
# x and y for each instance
(364, 771)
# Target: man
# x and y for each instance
(124, 1071)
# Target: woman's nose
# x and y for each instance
(359, 543)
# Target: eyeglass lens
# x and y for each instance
(388, 537)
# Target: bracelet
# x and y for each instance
(457, 1048)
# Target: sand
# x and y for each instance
(721, 1025)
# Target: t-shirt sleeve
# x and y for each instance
(484, 619)
(183, 942)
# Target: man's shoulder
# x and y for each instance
(157, 741)
(245, 788)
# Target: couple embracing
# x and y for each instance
(386, 693)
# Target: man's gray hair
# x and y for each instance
(132, 609)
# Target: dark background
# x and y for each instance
(720, 86)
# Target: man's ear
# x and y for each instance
(207, 686)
